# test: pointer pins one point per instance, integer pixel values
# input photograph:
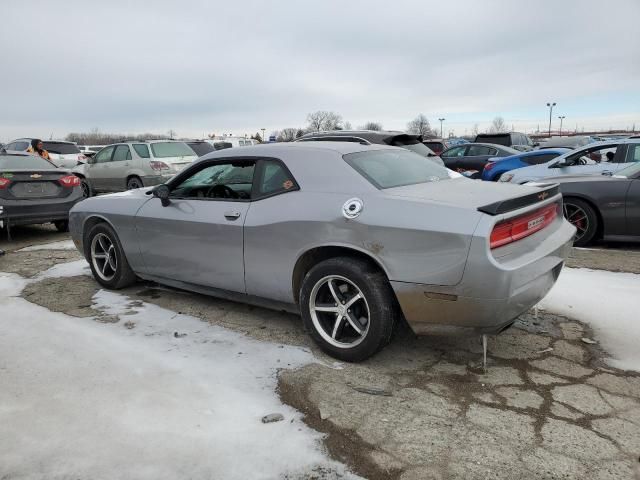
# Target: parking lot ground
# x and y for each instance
(549, 405)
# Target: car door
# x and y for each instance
(118, 168)
(593, 160)
(476, 157)
(453, 156)
(97, 169)
(197, 237)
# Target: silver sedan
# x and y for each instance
(352, 237)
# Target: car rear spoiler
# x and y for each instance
(504, 206)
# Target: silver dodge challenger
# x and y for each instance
(352, 237)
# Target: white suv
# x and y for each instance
(129, 165)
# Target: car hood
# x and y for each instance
(578, 178)
(461, 192)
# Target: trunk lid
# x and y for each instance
(34, 184)
(178, 163)
(488, 197)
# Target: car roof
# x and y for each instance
(375, 135)
(44, 141)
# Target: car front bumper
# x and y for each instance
(492, 294)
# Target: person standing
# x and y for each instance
(37, 148)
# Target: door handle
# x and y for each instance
(232, 215)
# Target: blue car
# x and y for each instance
(493, 169)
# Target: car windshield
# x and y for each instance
(395, 168)
(201, 148)
(61, 148)
(630, 171)
(171, 149)
(28, 162)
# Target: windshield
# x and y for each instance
(395, 168)
(27, 162)
(61, 148)
(171, 149)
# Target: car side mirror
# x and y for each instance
(162, 192)
(607, 173)
(558, 165)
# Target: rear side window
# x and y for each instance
(171, 149)
(504, 139)
(454, 152)
(476, 150)
(538, 159)
(31, 162)
(390, 168)
(201, 148)
(142, 150)
(633, 153)
(275, 178)
(61, 148)
(122, 153)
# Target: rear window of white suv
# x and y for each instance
(171, 149)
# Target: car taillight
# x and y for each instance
(82, 158)
(4, 182)
(489, 165)
(158, 166)
(69, 181)
(520, 227)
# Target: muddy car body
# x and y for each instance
(350, 236)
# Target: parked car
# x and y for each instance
(612, 156)
(436, 145)
(90, 150)
(471, 158)
(200, 147)
(602, 206)
(219, 144)
(572, 142)
(494, 168)
(62, 154)
(371, 137)
(236, 141)
(516, 140)
(351, 236)
(129, 165)
(33, 190)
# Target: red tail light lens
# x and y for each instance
(520, 227)
(69, 181)
(489, 165)
(82, 158)
(4, 182)
(157, 166)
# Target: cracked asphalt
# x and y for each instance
(548, 407)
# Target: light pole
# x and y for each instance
(263, 129)
(441, 120)
(561, 117)
(550, 105)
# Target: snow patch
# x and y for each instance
(61, 245)
(90, 400)
(69, 269)
(609, 302)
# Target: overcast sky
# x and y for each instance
(238, 66)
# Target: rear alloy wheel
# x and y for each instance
(62, 225)
(86, 188)
(106, 258)
(349, 308)
(582, 216)
(133, 183)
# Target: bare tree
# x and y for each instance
(299, 133)
(474, 130)
(287, 135)
(498, 126)
(257, 137)
(420, 126)
(376, 126)
(323, 120)
(347, 126)
(172, 134)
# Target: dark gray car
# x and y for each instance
(375, 137)
(603, 206)
(353, 237)
(471, 158)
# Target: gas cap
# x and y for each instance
(352, 208)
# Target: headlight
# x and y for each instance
(506, 177)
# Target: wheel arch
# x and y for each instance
(600, 230)
(317, 254)
(131, 175)
(87, 224)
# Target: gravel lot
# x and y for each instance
(548, 406)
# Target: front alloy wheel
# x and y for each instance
(103, 257)
(582, 216)
(106, 257)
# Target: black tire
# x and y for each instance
(62, 225)
(582, 216)
(87, 191)
(120, 277)
(134, 182)
(378, 299)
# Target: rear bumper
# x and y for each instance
(492, 294)
(30, 212)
